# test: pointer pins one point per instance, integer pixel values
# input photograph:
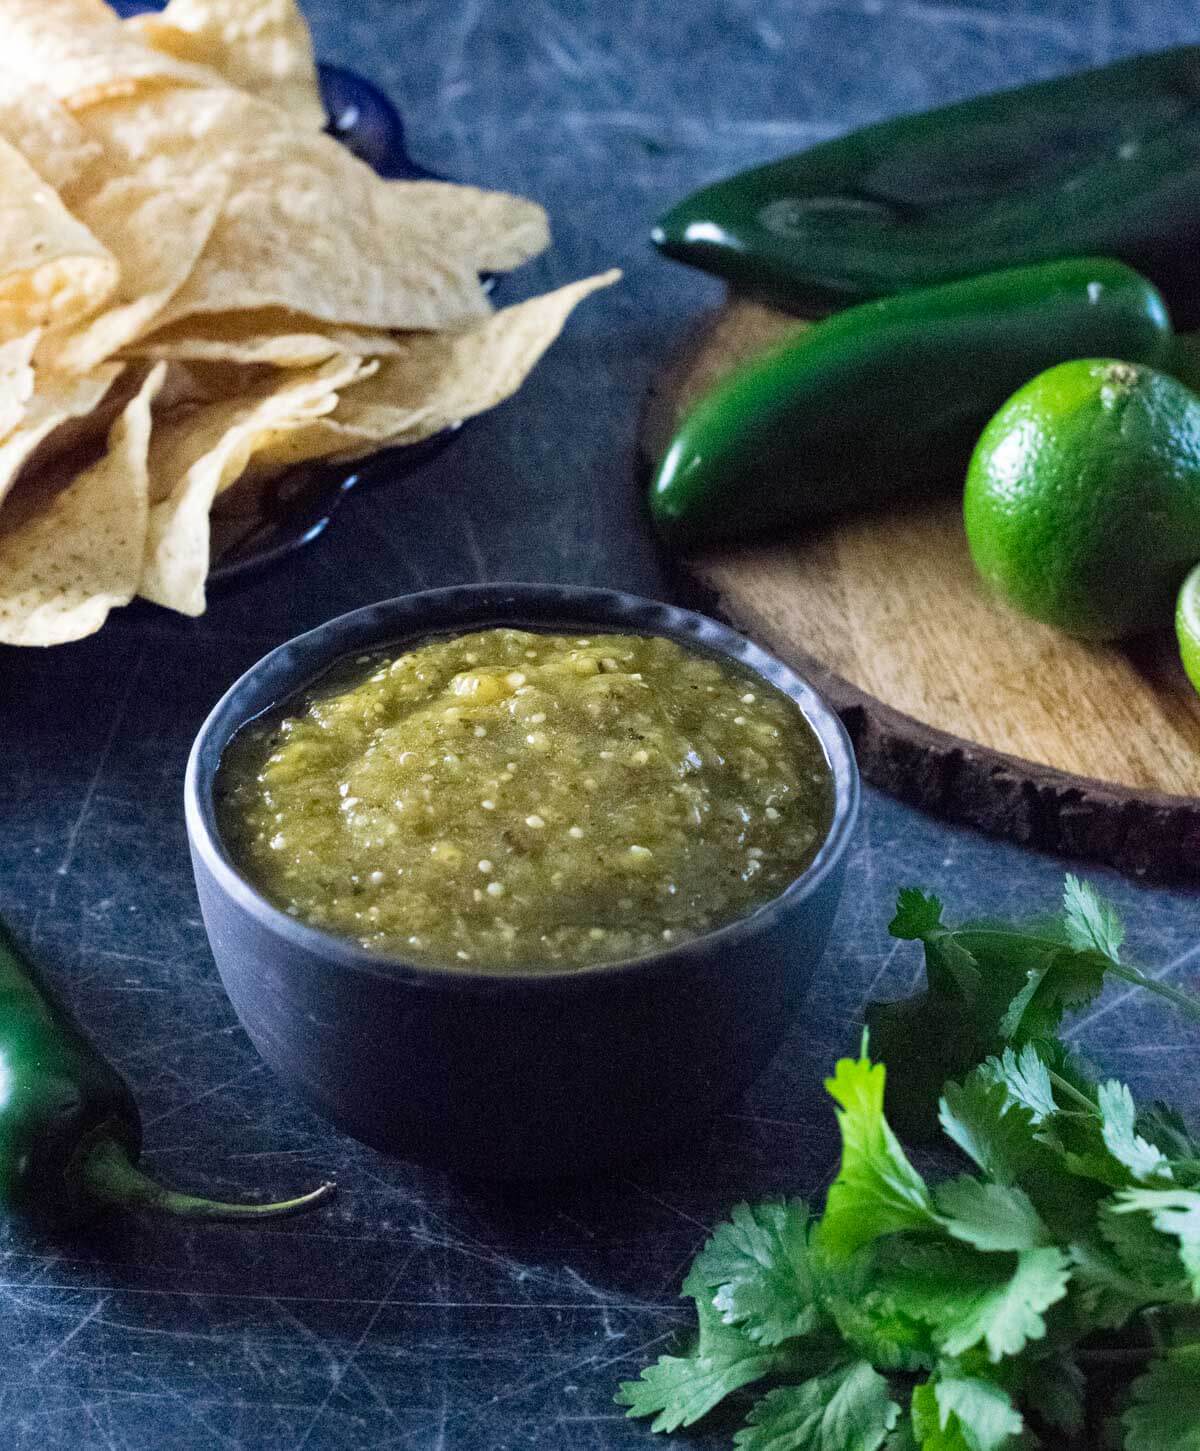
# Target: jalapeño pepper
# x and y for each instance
(70, 1134)
(1103, 163)
(889, 397)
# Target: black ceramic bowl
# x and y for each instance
(523, 1075)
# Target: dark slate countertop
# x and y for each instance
(420, 1312)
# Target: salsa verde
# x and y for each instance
(511, 800)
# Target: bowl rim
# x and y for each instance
(427, 614)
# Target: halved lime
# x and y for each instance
(1187, 625)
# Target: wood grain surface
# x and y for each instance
(955, 700)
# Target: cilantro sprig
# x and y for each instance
(1048, 1294)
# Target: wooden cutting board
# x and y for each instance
(954, 702)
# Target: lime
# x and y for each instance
(1082, 503)
(1187, 625)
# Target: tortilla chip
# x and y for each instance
(81, 53)
(57, 403)
(43, 131)
(306, 226)
(269, 337)
(498, 230)
(439, 379)
(16, 380)
(197, 454)
(65, 568)
(158, 236)
(52, 269)
(434, 382)
(262, 46)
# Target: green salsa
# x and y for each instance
(508, 799)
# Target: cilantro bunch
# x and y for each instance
(1049, 1295)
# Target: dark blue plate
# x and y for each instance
(296, 507)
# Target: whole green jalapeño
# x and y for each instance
(888, 398)
(1105, 163)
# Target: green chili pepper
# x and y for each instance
(889, 397)
(70, 1134)
(1103, 163)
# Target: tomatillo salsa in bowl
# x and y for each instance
(519, 880)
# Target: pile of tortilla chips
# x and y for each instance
(199, 289)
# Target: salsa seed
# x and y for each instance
(538, 718)
(488, 805)
(515, 678)
(485, 866)
(495, 889)
(481, 731)
(575, 831)
(535, 821)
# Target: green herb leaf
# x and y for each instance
(877, 1191)
(1172, 1211)
(964, 1413)
(1068, 979)
(990, 1216)
(848, 1410)
(1119, 1116)
(679, 1389)
(950, 965)
(1166, 1128)
(1026, 1078)
(759, 1267)
(988, 1126)
(903, 1438)
(1165, 1414)
(918, 915)
(1090, 921)
(969, 1298)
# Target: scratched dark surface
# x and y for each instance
(420, 1312)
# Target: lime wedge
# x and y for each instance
(1187, 625)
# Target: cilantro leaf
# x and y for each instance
(1165, 1414)
(1090, 921)
(759, 1267)
(872, 1325)
(1172, 1211)
(1068, 978)
(1164, 1127)
(1119, 1116)
(981, 1118)
(983, 1409)
(1128, 1266)
(1026, 1078)
(848, 1410)
(969, 1298)
(964, 1413)
(678, 1389)
(903, 1438)
(877, 1191)
(918, 915)
(990, 1216)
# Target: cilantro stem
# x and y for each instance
(1068, 1090)
(1187, 1003)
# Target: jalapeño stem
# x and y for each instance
(109, 1176)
